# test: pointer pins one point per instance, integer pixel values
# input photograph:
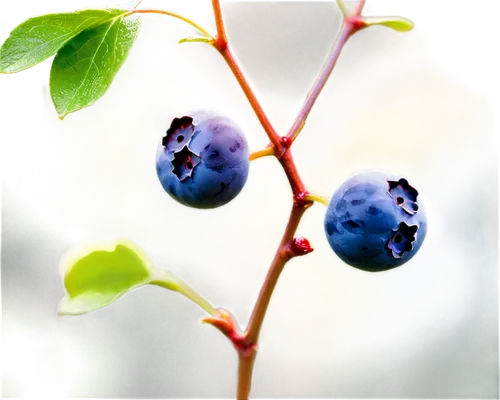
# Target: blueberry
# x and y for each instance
(202, 161)
(375, 221)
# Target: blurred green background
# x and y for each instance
(427, 329)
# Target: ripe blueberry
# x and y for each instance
(375, 221)
(202, 161)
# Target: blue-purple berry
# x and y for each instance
(202, 161)
(376, 221)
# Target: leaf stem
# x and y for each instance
(163, 278)
(171, 14)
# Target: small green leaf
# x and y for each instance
(397, 23)
(194, 39)
(40, 37)
(84, 68)
(98, 275)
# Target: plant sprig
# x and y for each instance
(90, 46)
(302, 199)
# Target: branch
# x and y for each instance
(245, 86)
(221, 44)
(221, 37)
(346, 31)
(251, 336)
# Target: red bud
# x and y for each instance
(301, 246)
(286, 142)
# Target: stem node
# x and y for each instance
(220, 43)
(356, 22)
(242, 347)
(301, 200)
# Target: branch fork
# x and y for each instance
(301, 200)
(226, 323)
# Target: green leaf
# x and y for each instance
(194, 39)
(397, 23)
(97, 275)
(40, 37)
(84, 68)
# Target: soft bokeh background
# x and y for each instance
(418, 104)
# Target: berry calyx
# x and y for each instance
(404, 195)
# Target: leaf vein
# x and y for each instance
(92, 61)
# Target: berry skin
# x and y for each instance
(375, 221)
(202, 161)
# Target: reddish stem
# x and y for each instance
(228, 56)
(287, 248)
(251, 336)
